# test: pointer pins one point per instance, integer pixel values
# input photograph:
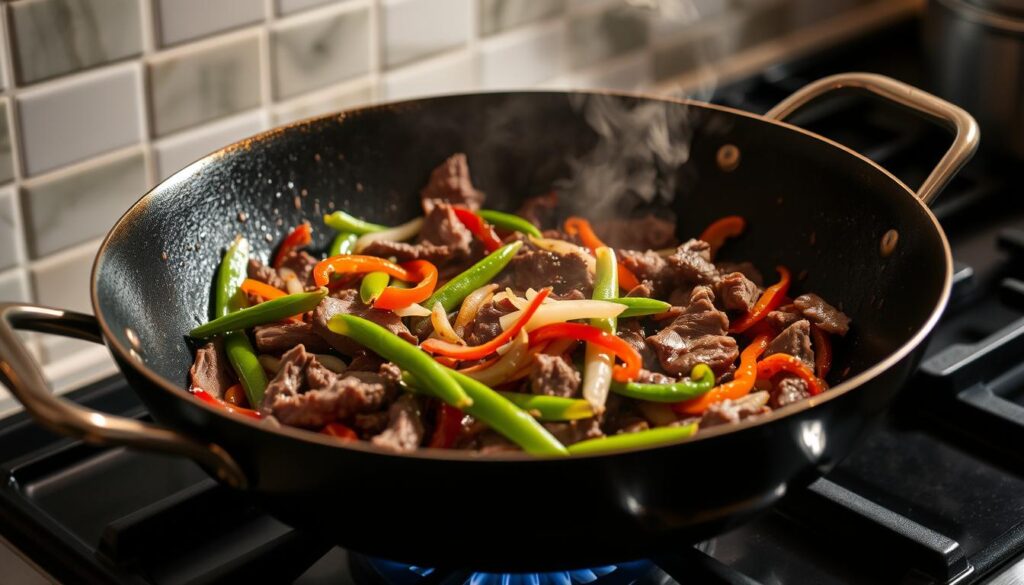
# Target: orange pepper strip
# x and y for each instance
(394, 297)
(783, 362)
(301, 236)
(208, 398)
(591, 334)
(769, 301)
(822, 351)
(715, 234)
(741, 384)
(262, 289)
(577, 226)
(340, 431)
(475, 352)
(356, 263)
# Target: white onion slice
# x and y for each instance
(332, 363)
(443, 327)
(417, 310)
(514, 357)
(559, 311)
(399, 233)
(471, 306)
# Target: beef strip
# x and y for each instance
(265, 274)
(650, 232)
(280, 337)
(210, 372)
(651, 269)
(575, 431)
(733, 411)
(539, 209)
(370, 424)
(822, 314)
(405, 426)
(486, 325)
(365, 362)
(554, 376)
(291, 399)
(539, 268)
(632, 332)
(736, 292)
(347, 302)
(787, 390)
(784, 316)
(450, 182)
(491, 441)
(641, 290)
(692, 262)
(443, 240)
(301, 263)
(796, 341)
(745, 268)
(697, 335)
(405, 252)
(648, 377)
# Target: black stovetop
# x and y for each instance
(934, 495)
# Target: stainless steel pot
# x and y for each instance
(975, 52)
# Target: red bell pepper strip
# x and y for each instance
(783, 362)
(340, 431)
(448, 424)
(209, 399)
(770, 300)
(577, 226)
(262, 289)
(395, 297)
(822, 351)
(591, 334)
(355, 263)
(475, 352)
(476, 225)
(741, 385)
(727, 227)
(299, 237)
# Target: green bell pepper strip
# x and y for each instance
(373, 284)
(344, 243)
(477, 275)
(229, 298)
(507, 221)
(436, 378)
(550, 408)
(500, 414)
(606, 286)
(343, 222)
(640, 306)
(262, 313)
(650, 438)
(701, 380)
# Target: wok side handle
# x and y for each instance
(952, 117)
(20, 373)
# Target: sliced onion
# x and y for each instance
(418, 310)
(471, 306)
(516, 354)
(270, 363)
(597, 376)
(399, 233)
(443, 327)
(332, 363)
(560, 311)
(291, 280)
(564, 248)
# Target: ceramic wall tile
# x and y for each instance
(6, 149)
(524, 60)
(183, 20)
(449, 74)
(175, 152)
(596, 36)
(14, 286)
(351, 96)
(413, 29)
(316, 52)
(10, 234)
(290, 6)
(62, 280)
(501, 15)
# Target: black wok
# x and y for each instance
(811, 204)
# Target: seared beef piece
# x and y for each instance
(648, 377)
(554, 376)
(486, 325)
(796, 341)
(828, 318)
(211, 372)
(733, 411)
(573, 295)
(632, 332)
(784, 316)
(365, 362)
(450, 183)
(698, 335)
(370, 424)
(291, 400)
(680, 297)
(650, 232)
(539, 209)
(651, 269)
(736, 292)
(574, 431)
(265, 274)
(405, 426)
(692, 262)
(443, 241)
(787, 390)
(537, 269)
(388, 371)
(347, 302)
(405, 252)
(491, 441)
(301, 263)
(280, 337)
(641, 290)
(746, 268)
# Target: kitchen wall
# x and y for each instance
(101, 99)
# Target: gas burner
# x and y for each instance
(373, 570)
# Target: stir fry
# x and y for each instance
(471, 328)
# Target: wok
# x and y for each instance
(861, 238)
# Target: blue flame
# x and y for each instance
(623, 574)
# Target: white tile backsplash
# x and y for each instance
(62, 280)
(522, 60)
(332, 100)
(290, 6)
(315, 52)
(14, 286)
(10, 231)
(448, 74)
(176, 152)
(413, 29)
(183, 20)
(75, 118)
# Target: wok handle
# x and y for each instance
(953, 117)
(21, 374)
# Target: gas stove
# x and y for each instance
(935, 494)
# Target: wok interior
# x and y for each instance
(810, 206)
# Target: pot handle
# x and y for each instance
(953, 117)
(25, 380)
